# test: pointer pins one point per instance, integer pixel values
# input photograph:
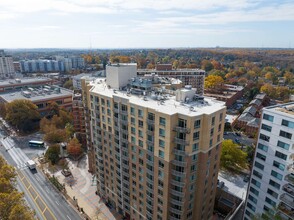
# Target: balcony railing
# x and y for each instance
(177, 183)
(179, 152)
(177, 173)
(289, 189)
(176, 193)
(182, 129)
(179, 163)
(150, 121)
(181, 141)
(176, 202)
(286, 210)
(287, 199)
(176, 211)
(290, 178)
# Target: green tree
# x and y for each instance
(2, 110)
(68, 84)
(22, 114)
(231, 156)
(52, 154)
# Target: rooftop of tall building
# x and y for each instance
(182, 101)
(25, 80)
(287, 108)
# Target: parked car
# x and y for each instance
(237, 141)
(237, 134)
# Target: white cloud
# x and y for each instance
(42, 28)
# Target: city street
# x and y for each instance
(242, 139)
(39, 193)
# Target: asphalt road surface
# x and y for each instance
(39, 193)
(241, 140)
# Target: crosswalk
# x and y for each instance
(19, 157)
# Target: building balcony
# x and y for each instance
(177, 173)
(287, 199)
(182, 129)
(179, 163)
(116, 110)
(286, 210)
(181, 141)
(176, 193)
(149, 206)
(124, 157)
(290, 178)
(177, 183)
(150, 142)
(124, 112)
(150, 132)
(179, 152)
(149, 181)
(150, 172)
(173, 218)
(176, 211)
(176, 202)
(150, 121)
(289, 189)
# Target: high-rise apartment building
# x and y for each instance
(6, 65)
(155, 151)
(271, 188)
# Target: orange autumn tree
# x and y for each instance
(74, 148)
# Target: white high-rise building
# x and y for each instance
(6, 65)
(271, 188)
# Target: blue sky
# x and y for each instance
(146, 23)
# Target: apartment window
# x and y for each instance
(161, 154)
(266, 127)
(254, 191)
(257, 174)
(141, 143)
(268, 117)
(134, 149)
(251, 206)
(269, 201)
(150, 148)
(283, 145)
(262, 147)
(255, 182)
(259, 165)
(264, 137)
(161, 143)
(133, 139)
(197, 124)
(211, 132)
(210, 142)
(274, 184)
(193, 168)
(141, 134)
(195, 147)
(260, 156)
(133, 130)
(281, 155)
(213, 121)
(253, 199)
(162, 121)
(285, 134)
(161, 174)
(219, 127)
(161, 164)
(194, 157)
(132, 111)
(279, 165)
(140, 113)
(272, 193)
(277, 175)
(221, 116)
(289, 124)
(141, 124)
(196, 135)
(133, 121)
(161, 132)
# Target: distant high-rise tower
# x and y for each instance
(271, 188)
(6, 65)
(155, 151)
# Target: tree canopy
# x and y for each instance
(74, 148)
(52, 153)
(12, 204)
(213, 82)
(231, 156)
(22, 114)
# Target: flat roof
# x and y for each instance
(13, 95)
(12, 82)
(169, 106)
(284, 109)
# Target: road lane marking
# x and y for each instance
(38, 197)
(57, 203)
(68, 217)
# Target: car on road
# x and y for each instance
(237, 141)
(237, 134)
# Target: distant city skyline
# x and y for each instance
(146, 23)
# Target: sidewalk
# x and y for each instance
(82, 187)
